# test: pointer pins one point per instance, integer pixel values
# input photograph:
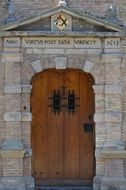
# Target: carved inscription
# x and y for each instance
(61, 42)
(12, 42)
(44, 42)
(112, 43)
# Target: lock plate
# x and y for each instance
(88, 127)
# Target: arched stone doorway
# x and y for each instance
(63, 134)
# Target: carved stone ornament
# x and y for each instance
(111, 14)
(11, 9)
(61, 22)
(62, 3)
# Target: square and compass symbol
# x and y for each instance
(61, 21)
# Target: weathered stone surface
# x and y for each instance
(12, 144)
(12, 73)
(114, 182)
(12, 153)
(30, 182)
(97, 182)
(26, 88)
(12, 88)
(100, 104)
(37, 66)
(13, 167)
(112, 58)
(12, 57)
(88, 66)
(12, 116)
(113, 103)
(114, 145)
(100, 132)
(26, 116)
(113, 89)
(99, 89)
(13, 130)
(61, 62)
(99, 117)
(12, 183)
(113, 117)
(113, 131)
(113, 153)
(12, 103)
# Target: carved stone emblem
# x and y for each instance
(61, 21)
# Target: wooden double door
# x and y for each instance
(62, 133)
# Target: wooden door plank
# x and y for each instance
(71, 131)
(55, 129)
(39, 126)
(86, 138)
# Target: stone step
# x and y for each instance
(65, 188)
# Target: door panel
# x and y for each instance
(39, 126)
(71, 132)
(63, 152)
(55, 130)
(86, 138)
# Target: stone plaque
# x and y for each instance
(60, 62)
(112, 43)
(42, 42)
(12, 42)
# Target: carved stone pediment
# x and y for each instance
(63, 19)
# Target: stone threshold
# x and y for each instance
(64, 188)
